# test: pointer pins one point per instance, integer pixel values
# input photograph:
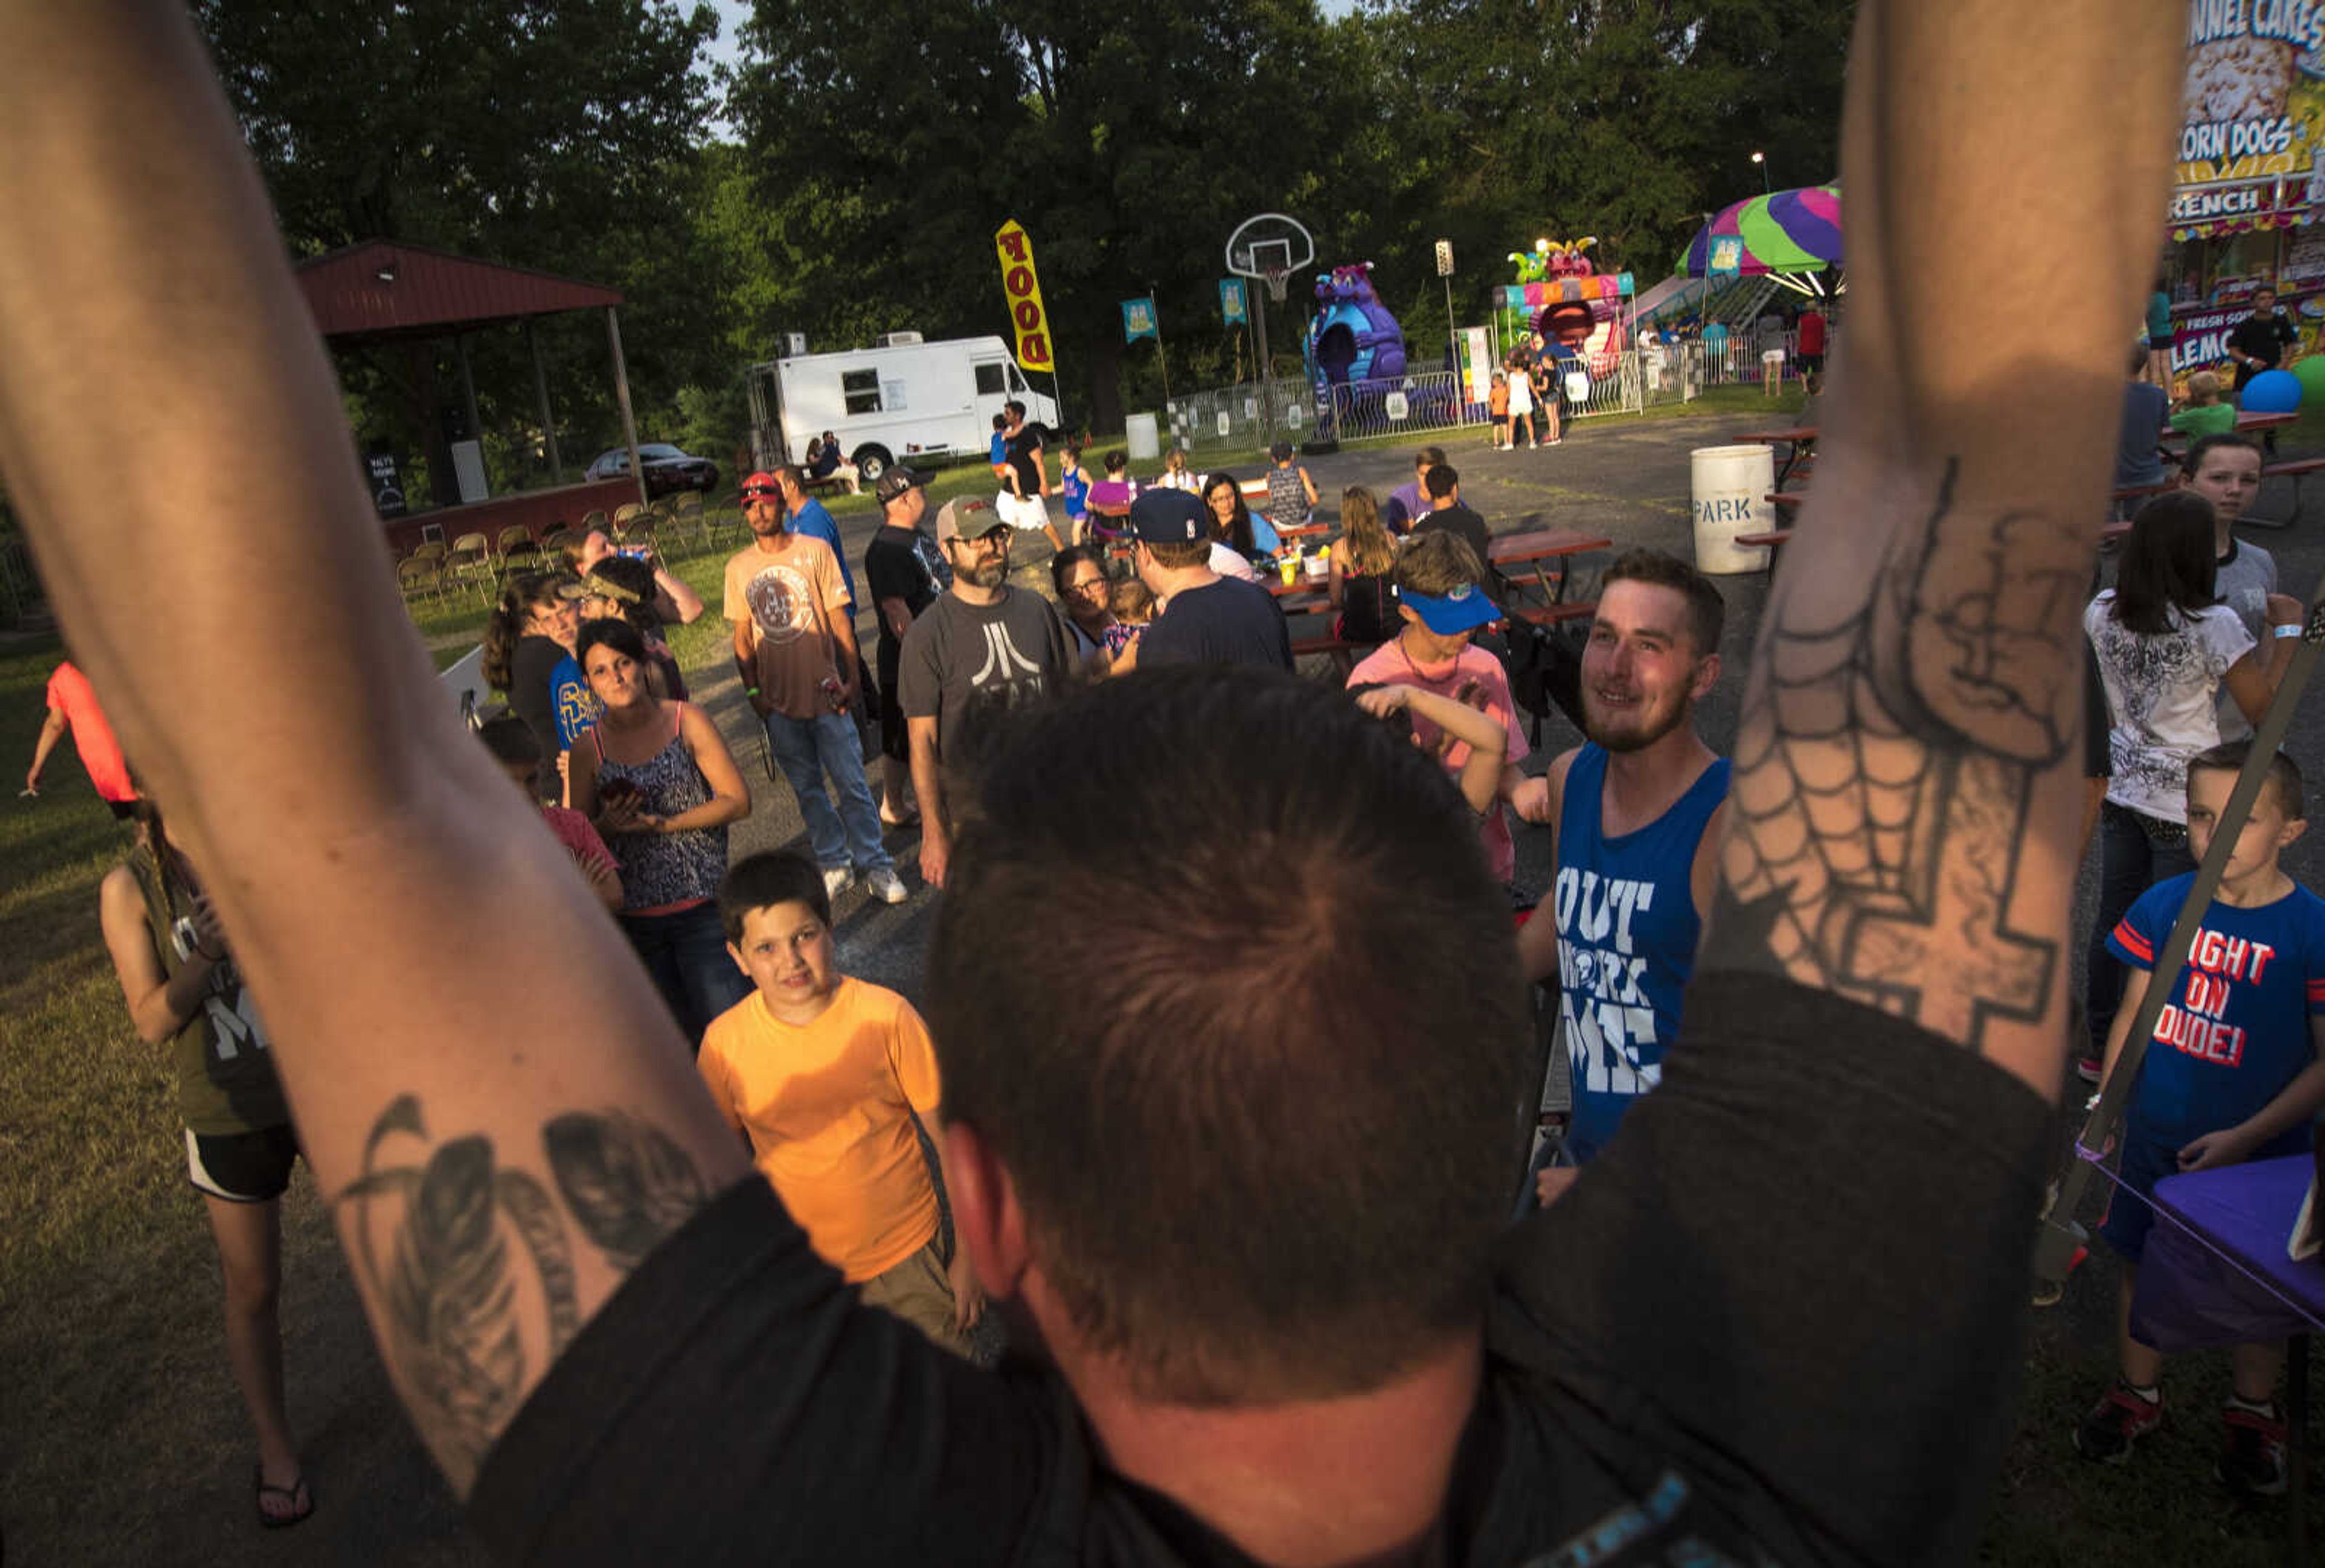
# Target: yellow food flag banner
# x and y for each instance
(1023, 291)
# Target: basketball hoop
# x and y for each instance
(1268, 247)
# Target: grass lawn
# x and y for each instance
(126, 1442)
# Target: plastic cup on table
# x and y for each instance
(1290, 567)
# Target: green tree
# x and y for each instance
(1627, 119)
(1128, 153)
(561, 134)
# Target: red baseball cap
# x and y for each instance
(761, 483)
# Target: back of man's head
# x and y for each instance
(1707, 612)
(511, 740)
(1260, 1115)
(1441, 481)
(1435, 562)
(792, 478)
(1428, 458)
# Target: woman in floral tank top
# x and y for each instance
(657, 782)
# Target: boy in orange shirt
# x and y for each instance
(824, 1077)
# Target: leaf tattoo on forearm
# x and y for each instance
(1884, 769)
(629, 1184)
(442, 1242)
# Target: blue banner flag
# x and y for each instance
(1231, 300)
(1138, 320)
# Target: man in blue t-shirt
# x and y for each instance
(1206, 618)
(806, 514)
(2233, 1073)
(1638, 811)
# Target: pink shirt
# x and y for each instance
(1473, 676)
(70, 694)
(573, 830)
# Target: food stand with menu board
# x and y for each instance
(2249, 191)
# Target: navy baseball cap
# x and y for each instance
(1169, 517)
(1464, 610)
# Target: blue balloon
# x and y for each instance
(2272, 392)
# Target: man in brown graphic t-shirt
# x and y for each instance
(795, 648)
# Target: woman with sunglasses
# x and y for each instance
(528, 659)
(622, 587)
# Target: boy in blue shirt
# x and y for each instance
(2233, 1073)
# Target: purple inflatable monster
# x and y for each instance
(1354, 337)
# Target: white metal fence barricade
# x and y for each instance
(1250, 414)
(1432, 400)
(1247, 414)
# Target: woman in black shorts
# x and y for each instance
(182, 987)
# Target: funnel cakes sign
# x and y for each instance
(2252, 110)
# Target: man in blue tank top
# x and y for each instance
(1637, 811)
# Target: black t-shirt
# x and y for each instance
(1777, 1320)
(1459, 520)
(903, 563)
(2264, 337)
(531, 698)
(1021, 448)
(1226, 622)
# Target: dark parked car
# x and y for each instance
(667, 469)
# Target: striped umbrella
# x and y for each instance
(1792, 231)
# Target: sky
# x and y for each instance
(732, 15)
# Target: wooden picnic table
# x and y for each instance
(1538, 550)
(1792, 440)
(1273, 580)
(2246, 424)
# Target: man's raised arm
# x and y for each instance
(1905, 791)
(493, 1096)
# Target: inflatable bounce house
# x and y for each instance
(1352, 336)
(1579, 309)
(1355, 357)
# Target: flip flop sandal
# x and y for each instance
(261, 1491)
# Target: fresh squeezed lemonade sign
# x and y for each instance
(1023, 289)
(2251, 111)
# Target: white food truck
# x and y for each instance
(901, 400)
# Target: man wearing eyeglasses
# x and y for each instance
(981, 643)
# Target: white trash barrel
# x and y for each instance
(1729, 483)
(1139, 434)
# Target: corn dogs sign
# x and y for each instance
(2252, 108)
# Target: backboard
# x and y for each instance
(1270, 246)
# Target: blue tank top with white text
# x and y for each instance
(1626, 935)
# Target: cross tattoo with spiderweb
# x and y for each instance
(1884, 769)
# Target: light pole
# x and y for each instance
(1762, 159)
